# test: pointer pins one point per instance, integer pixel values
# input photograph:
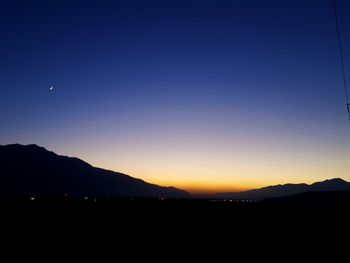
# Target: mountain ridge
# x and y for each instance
(279, 190)
(33, 169)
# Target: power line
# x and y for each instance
(340, 48)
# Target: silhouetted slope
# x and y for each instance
(333, 198)
(336, 184)
(34, 170)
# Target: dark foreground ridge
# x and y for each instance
(166, 218)
(168, 211)
(33, 171)
(331, 185)
(338, 199)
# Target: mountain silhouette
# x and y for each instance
(313, 199)
(30, 169)
(33, 170)
(329, 185)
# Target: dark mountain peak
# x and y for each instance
(318, 199)
(336, 184)
(332, 181)
(36, 153)
(33, 169)
(289, 185)
(25, 148)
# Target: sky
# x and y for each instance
(203, 95)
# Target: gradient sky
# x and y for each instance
(203, 95)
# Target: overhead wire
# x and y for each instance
(341, 57)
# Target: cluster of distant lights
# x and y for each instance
(232, 200)
(33, 198)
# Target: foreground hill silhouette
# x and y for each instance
(33, 170)
(330, 185)
(313, 199)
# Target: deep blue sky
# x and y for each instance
(193, 93)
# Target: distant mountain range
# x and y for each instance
(331, 185)
(333, 199)
(32, 170)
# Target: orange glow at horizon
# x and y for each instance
(204, 160)
(204, 96)
(222, 175)
(207, 188)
